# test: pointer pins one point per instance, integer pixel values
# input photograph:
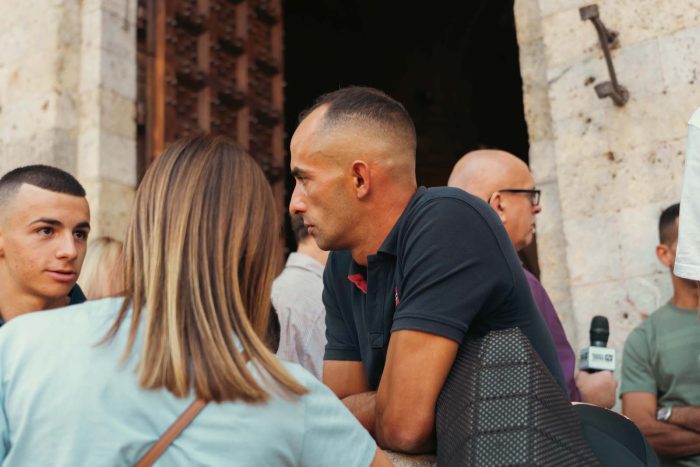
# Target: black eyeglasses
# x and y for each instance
(533, 193)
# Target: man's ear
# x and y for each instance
(663, 252)
(361, 178)
(496, 202)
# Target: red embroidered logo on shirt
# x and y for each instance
(359, 281)
(396, 296)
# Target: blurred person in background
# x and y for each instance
(296, 297)
(660, 387)
(98, 384)
(102, 269)
(44, 227)
(505, 182)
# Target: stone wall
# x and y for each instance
(607, 172)
(67, 96)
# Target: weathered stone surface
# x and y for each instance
(680, 58)
(544, 163)
(568, 39)
(614, 168)
(67, 96)
(110, 206)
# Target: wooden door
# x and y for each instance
(212, 66)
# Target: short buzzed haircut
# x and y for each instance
(668, 233)
(365, 103)
(299, 229)
(41, 176)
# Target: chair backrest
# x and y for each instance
(500, 406)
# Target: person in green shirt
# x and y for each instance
(661, 365)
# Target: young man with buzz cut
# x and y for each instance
(44, 227)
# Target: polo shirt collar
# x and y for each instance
(390, 245)
(357, 274)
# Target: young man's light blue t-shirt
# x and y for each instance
(65, 401)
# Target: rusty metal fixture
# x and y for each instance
(608, 38)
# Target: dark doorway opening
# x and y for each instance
(454, 65)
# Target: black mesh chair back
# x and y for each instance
(501, 407)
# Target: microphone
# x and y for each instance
(598, 357)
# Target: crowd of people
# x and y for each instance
(174, 323)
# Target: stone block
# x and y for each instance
(645, 294)
(567, 39)
(36, 73)
(549, 7)
(680, 57)
(571, 87)
(646, 121)
(581, 136)
(650, 174)
(27, 115)
(107, 156)
(110, 205)
(122, 9)
(543, 162)
(537, 113)
(533, 65)
(118, 37)
(587, 186)
(49, 146)
(639, 68)
(677, 15)
(593, 249)
(527, 21)
(27, 34)
(119, 75)
(641, 20)
(109, 111)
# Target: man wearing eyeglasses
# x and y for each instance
(505, 182)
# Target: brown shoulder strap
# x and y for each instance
(173, 432)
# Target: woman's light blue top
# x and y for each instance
(66, 401)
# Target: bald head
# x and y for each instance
(505, 182)
(484, 172)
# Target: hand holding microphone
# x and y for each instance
(597, 356)
(595, 381)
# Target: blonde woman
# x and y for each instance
(98, 384)
(101, 273)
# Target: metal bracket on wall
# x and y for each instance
(607, 38)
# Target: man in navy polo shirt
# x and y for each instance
(413, 271)
(44, 225)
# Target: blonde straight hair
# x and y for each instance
(101, 273)
(201, 251)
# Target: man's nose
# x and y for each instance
(537, 209)
(297, 205)
(67, 248)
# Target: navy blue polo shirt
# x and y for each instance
(447, 268)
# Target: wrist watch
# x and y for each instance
(664, 413)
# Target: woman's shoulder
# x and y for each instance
(61, 322)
